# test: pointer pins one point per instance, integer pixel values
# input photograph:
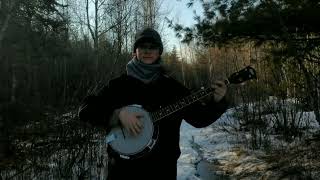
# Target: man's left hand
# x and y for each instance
(220, 90)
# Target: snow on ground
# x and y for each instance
(216, 146)
(196, 144)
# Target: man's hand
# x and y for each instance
(220, 90)
(131, 121)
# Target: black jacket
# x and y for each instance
(126, 90)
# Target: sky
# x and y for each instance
(177, 11)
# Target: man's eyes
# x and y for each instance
(148, 47)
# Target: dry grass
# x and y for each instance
(296, 161)
(300, 161)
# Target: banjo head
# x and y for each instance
(126, 144)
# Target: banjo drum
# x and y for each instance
(129, 146)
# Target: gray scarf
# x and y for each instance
(144, 72)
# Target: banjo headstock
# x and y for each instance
(241, 76)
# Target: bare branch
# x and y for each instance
(101, 4)
(88, 20)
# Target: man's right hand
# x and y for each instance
(131, 121)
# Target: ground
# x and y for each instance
(217, 152)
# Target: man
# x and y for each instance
(146, 84)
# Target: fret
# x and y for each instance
(196, 96)
(157, 115)
(152, 114)
(202, 93)
(160, 112)
(190, 99)
(179, 104)
(209, 90)
(169, 109)
(165, 112)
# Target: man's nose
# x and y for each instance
(147, 50)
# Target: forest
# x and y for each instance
(53, 53)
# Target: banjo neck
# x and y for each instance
(235, 78)
(181, 104)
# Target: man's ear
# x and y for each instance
(134, 54)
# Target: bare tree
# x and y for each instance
(7, 8)
(93, 29)
(97, 18)
(149, 13)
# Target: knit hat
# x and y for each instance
(148, 35)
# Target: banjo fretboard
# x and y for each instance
(184, 102)
(236, 78)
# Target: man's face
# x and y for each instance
(148, 53)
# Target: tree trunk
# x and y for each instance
(3, 140)
(4, 25)
(13, 85)
(312, 90)
(182, 66)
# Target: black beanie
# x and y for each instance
(148, 35)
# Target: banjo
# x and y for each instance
(132, 147)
